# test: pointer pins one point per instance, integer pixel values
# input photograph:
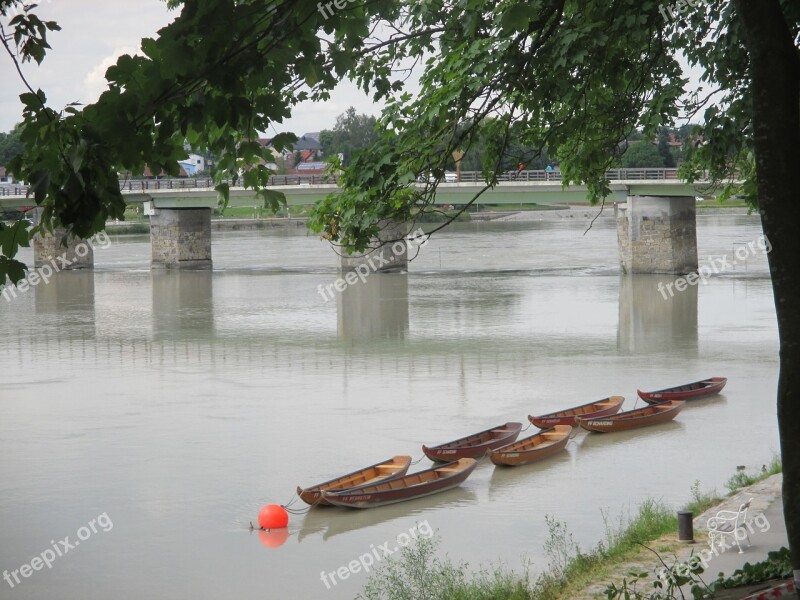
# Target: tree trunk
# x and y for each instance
(775, 74)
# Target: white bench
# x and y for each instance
(729, 523)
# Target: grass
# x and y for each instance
(126, 228)
(420, 574)
(571, 570)
(519, 207)
(741, 479)
(250, 212)
(702, 501)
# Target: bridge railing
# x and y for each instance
(145, 185)
(14, 190)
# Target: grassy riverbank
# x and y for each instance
(421, 573)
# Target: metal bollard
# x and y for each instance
(685, 527)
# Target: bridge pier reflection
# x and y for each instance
(649, 322)
(183, 305)
(376, 307)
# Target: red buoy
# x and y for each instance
(273, 516)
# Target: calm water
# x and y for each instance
(178, 403)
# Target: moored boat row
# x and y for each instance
(388, 482)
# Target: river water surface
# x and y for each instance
(179, 403)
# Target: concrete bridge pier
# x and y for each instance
(48, 249)
(391, 257)
(658, 234)
(181, 238)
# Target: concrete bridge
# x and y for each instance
(655, 214)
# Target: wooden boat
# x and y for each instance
(387, 470)
(416, 485)
(533, 448)
(690, 391)
(608, 406)
(475, 445)
(641, 417)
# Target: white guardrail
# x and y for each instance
(145, 185)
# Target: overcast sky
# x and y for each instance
(94, 33)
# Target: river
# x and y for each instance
(176, 404)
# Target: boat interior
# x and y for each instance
(415, 479)
(538, 441)
(477, 439)
(373, 473)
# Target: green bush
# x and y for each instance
(420, 574)
(777, 566)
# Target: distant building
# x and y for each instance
(193, 165)
(311, 166)
(5, 176)
(303, 156)
(305, 143)
(148, 174)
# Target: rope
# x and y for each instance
(300, 511)
(575, 431)
(420, 459)
(528, 427)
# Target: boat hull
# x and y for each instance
(388, 470)
(603, 408)
(633, 419)
(470, 447)
(690, 391)
(383, 495)
(552, 441)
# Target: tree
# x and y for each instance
(351, 133)
(575, 77)
(664, 148)
(10, 145)
(642, 155)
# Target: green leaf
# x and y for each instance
(224, 191)
(273, 199)
(516, 18)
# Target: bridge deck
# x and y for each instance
(527, 187)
